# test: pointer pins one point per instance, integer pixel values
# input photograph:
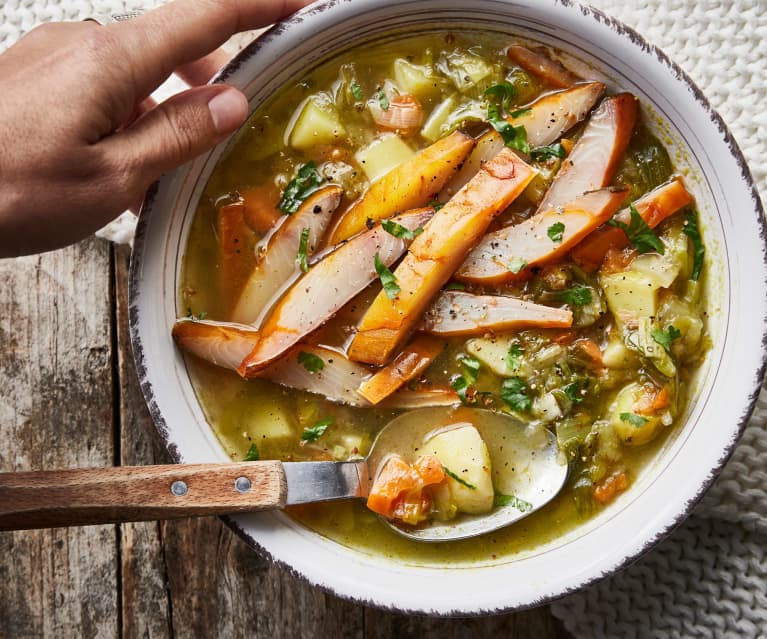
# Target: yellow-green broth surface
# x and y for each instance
(243, 413)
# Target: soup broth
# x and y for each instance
(612, 386)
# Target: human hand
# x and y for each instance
(73, 153)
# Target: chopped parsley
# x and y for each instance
(301, 257)
(632, 418)
(388, 281)
(503, 92)
(545, 152)
(463, 482)
(514, 137)
(470, 366)
(667, 337)
(252, 454)
(520, 112)
(512, 500)
(199, 317)
(315, 432)
(573, 392)
(514, 356)
(455, 286)
(641, 236)
(556, 232)
(691, 230)
(516, 264)
(311, 362)
(383, 101)
(460, 386)
(576, 296)
(356, 90)
(397, 230)
(514, 393)
(306, 182)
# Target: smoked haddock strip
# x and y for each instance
(413, 183)
(436, 253)
(545, 237)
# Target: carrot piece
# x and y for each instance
(234, 241)
(539, 64)
(260, 207)
(563, 338)
(652, 401)
(395, 478)
(590, 352)
(410, 363)
(430, 469)
(610, 487)
(654, 207)
(412, 184)
(618, 260)
(531, 243)
(435, 254)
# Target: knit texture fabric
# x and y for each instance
(709, 578)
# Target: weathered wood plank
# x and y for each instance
(55, 412)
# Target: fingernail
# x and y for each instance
(228, 109)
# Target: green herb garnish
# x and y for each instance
(512, 500)
(545, 152)
(397, 230)
(641, 236)
(556, 232)
(576, 296)
(455, 286)
(252, 454)
(520, 112)
(516, 264)
(301, 257)
(356, 90)
(573, 392)
(310, 362)
(691, 230)
(460, 386)
(471, 366)
(667, 337)
(514, 356)
(514, 393)
(383, 101)
(504, 92)
(199, 317)
(635, 420)
(463, 482)
(388, 281)
(315, 432)
(514, 137)
(306, 182)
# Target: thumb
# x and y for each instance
(177, 130)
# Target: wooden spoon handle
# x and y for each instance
(46, 499)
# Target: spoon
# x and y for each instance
(525, 464)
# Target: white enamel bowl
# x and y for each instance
(726, 387)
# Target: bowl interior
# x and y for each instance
(702, 151)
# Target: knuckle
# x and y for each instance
(183, 126)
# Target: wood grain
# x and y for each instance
(56, 411)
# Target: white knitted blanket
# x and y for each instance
(709, 578)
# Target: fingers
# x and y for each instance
(156, 43)
(175, 131)
(202, 70)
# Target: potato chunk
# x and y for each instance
(463, 453)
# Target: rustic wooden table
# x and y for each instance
(69, 398)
